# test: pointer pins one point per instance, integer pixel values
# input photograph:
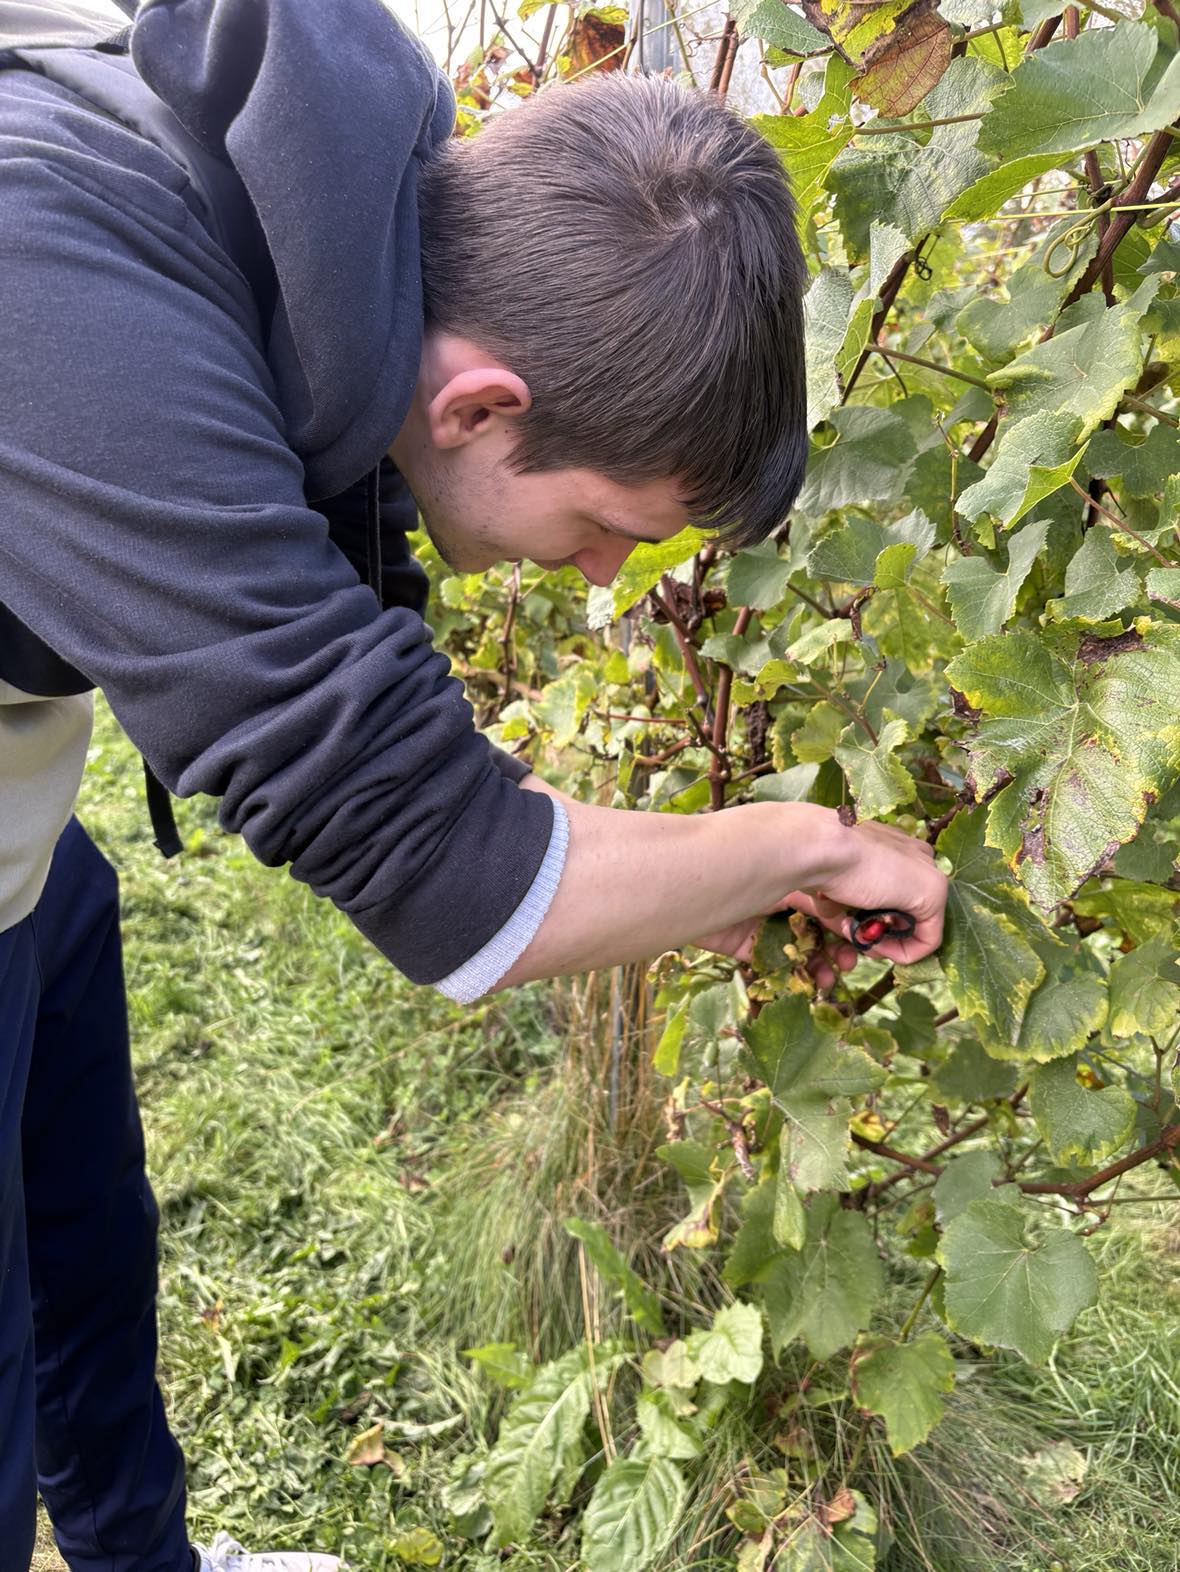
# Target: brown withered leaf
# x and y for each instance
(907, 63)
(838, 1509)
(595, 45)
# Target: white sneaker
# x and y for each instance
(226, 1555)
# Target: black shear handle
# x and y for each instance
(870, 927)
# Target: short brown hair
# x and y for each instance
(628, 246)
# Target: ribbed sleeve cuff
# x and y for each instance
(485, 968)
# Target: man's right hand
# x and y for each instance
(637, 884)
(872, 866)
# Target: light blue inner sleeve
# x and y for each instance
(488, 965)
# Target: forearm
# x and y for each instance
(635, 884)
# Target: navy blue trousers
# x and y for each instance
(80, 1412)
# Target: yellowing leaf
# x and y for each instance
(908, 63)
(1087, 725)
(367, 1448)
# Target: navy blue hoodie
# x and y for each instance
(181, 385)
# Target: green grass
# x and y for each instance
(357, 1179)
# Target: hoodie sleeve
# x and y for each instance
(154, 531)
(404, 581)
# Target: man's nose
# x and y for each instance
(600, 565)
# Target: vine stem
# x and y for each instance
(927, 1290)
(915, 125)
(1093, 170)
(871, 1192)
(719, 771)
(1119, 524)
(1121, 220)
(1076, 1190)
(1145, 408)
(930, 365)
(889, 293)
(688, 653)
(1167, 1142)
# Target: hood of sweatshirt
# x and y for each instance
(259, 84)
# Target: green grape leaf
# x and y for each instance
(775, 23)
(887, 246)
(827, 307)
(812, 645)
(642, 570)
(1004, 1291)
(540, 1438)
(641, 1301)
(1062, 1012)
(1163, 586)
(790, 785)
(826, 1291)
(662, 1426)
(1143, 467)
(911, 695)
(1082, 371)
(1145, 988)
(965, 1179)
(1098, 582)
(1033, 460)
(564, 703)
(850, 553)
(987, 953)
(970, 1075)
(982, 597)
(788, 1224)
(819, 733)
(1080, 1125)
(754, 1245)
(1165, 256)
(731, 1350)
(1084, 724)
(868, 461)
(811, 1075)
(910, 184)
(877, 780)
(758, 576)
(1137, 910)
(997, 328)
(903, 1383)
(631, 1514)
(987, 195)
(808, 144)
(1076, 93)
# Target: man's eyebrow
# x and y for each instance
(646, 540)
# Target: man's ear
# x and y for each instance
(465, 407)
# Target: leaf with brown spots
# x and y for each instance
(907, 63)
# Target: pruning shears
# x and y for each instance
(870, 927)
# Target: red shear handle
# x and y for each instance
(870, 927)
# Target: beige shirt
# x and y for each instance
(43, 746)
